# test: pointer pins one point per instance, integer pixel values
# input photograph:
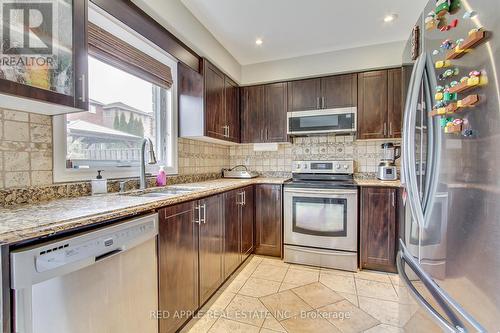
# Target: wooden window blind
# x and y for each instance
(112, 50)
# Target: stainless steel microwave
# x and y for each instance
(339, 120)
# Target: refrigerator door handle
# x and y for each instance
(410, 177)
(449, 305)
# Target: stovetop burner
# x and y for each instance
(322, 174)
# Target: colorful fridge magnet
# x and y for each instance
(442, 7)
(454, 126)
(430, 21)
(444, 121)
(468, 102)
(443, 64)
(469, 14)
(474, 38)
(455, 6)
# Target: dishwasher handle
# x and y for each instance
(109, 254)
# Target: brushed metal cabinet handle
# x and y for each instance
(83, 96)
(385, 128)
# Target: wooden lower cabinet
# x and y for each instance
(378, 228)
(210, 246)
(247, 223)
(177, 265)
(268, 220)
(232, 230)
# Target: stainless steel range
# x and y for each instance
(321, 215)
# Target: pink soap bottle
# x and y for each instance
(161, 179)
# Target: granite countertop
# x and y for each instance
(37, 220)
(377, 182)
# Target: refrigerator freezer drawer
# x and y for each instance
(321, 258)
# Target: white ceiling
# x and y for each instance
(292, 28)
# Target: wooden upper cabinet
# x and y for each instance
(210, 246)
(339, 91)
(378, 228)
(268, 220)
(372, 105)
(214, 101)
(232, 110)
(252, 114)
(61, 76)
(177, 264)
(304, 95)
(395, 102)
(275, 105)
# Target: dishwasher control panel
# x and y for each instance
(81, 250)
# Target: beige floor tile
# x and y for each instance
(265, 330)
(310, 323)
(383, 328)
(285, 304)
(272, 323)
(386, 312)
(286, 286)
(199, 325)
(317, 295)
(246, 309)
(270, 272)
(337, 271)
(259, 287)
(223, 325)
(219, 301)
(376, 289)
(353, 298)
(305, 268)
(394, 279)
(373, 276)
(347, 317)
(235, 284)
(274, 261)
(336, 282)
(301, 277)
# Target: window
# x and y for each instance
(126, 104)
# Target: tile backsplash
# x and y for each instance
(366, 154)
(26, 152)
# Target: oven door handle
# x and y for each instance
(335, 192)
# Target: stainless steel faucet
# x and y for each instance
(151, 160)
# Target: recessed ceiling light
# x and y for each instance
(258, 41)
(390, 18)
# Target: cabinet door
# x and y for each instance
(232, 110)
(304, 95)
(211, 247)
(339, 91)
(275, 105)
(268, 222)
(59, 71)
(252, 114)
(214, 101)
(378, 228)
(178, 264)
(232, 229)
(247, 222)
(372, 105)
(395, 102)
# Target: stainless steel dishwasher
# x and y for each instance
(103, 280)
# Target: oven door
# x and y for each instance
(321, 218)
(341, 120)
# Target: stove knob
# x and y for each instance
(337, 166)
(304, 166)
(345, 166)
(297, 166)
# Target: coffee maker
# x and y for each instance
(387, 167)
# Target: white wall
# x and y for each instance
(174, 16)
(348, 60)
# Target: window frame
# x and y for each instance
(63, 174)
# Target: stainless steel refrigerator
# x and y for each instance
(449, 251)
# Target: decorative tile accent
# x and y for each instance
(366, 154)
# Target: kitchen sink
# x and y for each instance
(164, 192)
